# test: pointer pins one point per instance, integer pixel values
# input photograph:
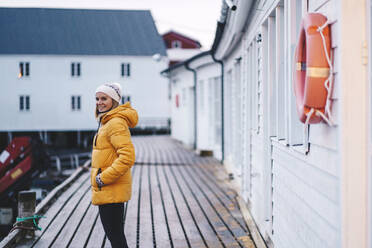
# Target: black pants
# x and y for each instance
(112, 218)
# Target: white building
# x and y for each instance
(52, 60)
(304, 187)
(180, 47)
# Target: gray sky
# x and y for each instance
(194, 18)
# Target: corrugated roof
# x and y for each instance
(78, 32)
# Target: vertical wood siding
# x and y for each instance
(228, 114)
(294, 197)
(305, 188)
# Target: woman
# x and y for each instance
(112, 158)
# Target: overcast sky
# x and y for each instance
(194, 18)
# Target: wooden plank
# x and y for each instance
(155, 154)
(161, 233)
(58, 206)
(206, 226)
(145, 234)
(97, 236)
(158, 148)
(85, 227)
(140, 148)
(181, 157)
(190, 225)
(177, 234)
(255, 234)
(48, 237)
(216, 174)
(238, 233)
(172, 153)
(56, 190)
(230, 205)
(130, 221)
(72, 224)
(152, 154)
(212, 215)
(172, 204)
(10, 240)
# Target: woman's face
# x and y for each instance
(103, 102)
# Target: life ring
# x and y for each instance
(312, 68)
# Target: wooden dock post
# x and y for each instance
(26, 208)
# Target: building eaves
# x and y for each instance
(183, 63)
(182, 36)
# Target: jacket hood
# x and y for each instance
(124, 111)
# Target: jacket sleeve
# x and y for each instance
(121, 141)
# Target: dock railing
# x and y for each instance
(69, 161)
(14, 236)
(154, 123)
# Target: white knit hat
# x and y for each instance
(113, 90)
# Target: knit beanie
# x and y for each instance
(113, 90)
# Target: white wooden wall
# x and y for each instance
(228, 115)
(182, 122)
(209, 108)
(369, 25)
(293, 196)
(50, 87)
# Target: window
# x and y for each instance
(24, 103)
(24, 69)
(280, 74)
(76, 103)
(27, 69)
(176, 44)
(296, 135)
(125, 69)
(78, 69)
(75, 69)
(125, 99)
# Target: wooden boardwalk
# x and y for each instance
(177, 201)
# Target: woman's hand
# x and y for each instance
(99, 181)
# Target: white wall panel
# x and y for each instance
(51, 86)
(182, 116)
(306, 188)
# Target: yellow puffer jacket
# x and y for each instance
(113, 156)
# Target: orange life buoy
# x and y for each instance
(312, 68)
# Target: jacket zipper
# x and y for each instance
(95, 140)
(95, 144)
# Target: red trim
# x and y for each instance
(189, 43)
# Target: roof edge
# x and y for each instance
(182, 35)
(218, 36)
(186, 62)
